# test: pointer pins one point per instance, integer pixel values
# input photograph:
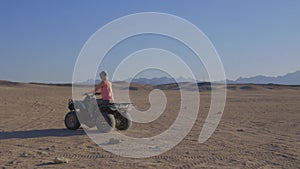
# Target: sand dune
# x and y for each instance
(259, 129)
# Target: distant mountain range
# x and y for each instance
(288, 79)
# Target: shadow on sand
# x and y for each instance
(40, 133)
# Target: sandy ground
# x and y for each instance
(260, 128)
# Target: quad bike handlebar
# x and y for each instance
(92, 94)
(116, 105)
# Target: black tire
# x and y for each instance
(105, 123)
(123, 122)
(71, 121)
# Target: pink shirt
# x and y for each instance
(106, 90)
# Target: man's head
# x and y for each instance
(103, 75)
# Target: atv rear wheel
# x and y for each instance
(71, 121)
(105, 123)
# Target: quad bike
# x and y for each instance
(111, 116)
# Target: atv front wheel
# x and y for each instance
(71, 121)
(123, 122)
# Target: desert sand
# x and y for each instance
(260, 128)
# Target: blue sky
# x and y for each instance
(40, 40)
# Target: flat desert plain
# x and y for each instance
(260, 128)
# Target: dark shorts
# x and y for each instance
(102, 102)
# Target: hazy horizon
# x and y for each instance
(178, 79)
